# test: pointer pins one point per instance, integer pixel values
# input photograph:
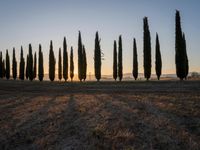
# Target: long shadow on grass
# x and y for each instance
(70, 129)
(139, 124)
(162, 126)
(119, 128)
(17, 101)
(182, 119)
(23, 135)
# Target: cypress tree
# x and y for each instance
(186, 57)
(147, 49)
(65, 60)
(84, 64)
(158, 63)
(14, 65)
(40, 64)
(71, 64)
(97, 57)
(35, 66)
(80, 57)
(1, 66)
(120, 67)
(115, 60)
(7, 65)
(52, 63)
(3, 69)
(22, 64)
(59, 65)
(30, 64)
(27, 67)
(178, 47)
(135, 60)
(181, 58)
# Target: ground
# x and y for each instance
(105, 115)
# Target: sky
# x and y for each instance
(39, 21)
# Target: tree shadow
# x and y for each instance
(162, 126)
(24, 130)
(99, 121)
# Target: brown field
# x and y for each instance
(107, 115)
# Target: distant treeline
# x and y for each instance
(32, 68)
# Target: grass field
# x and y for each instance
(107, 115)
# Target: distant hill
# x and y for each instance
(126, 77)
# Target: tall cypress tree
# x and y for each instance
(52, 63)
(14, 65)
(147, 49)
(181, 58)
(186, 57)
(7, 65)
(158, 62)
(35, 66)
(71, 64)
(135, 60)
(1, 66)
(59, 65)
(84, 64)
(27, 67)
(40, 64)
(3, 69)
(65, 60)
(97, 57)
(120, 66)
(115, 60)
(22, 64)
(30, 64)
(80, 57)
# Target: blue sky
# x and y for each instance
(39, 21)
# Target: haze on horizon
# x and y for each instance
(25, 21)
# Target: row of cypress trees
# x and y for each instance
(63, 68)
(181, 59)
(30, 69)
(117, 65)
(63, 65)
(30, 72)
(117, 68)
(147, 59)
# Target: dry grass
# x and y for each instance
(127, 115)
